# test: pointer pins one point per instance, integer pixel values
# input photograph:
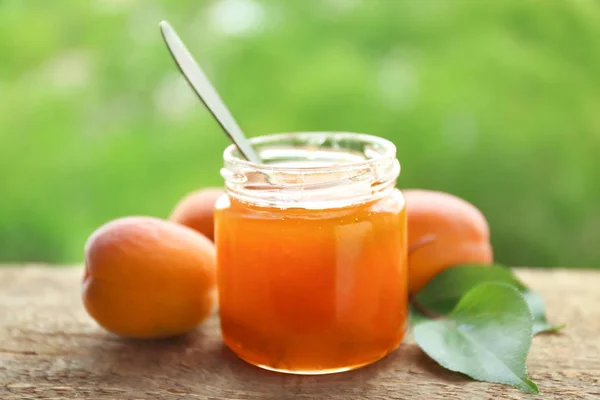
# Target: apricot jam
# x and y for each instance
(311, 255)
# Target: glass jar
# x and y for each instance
(311, 252)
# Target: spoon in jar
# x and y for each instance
(206, 92)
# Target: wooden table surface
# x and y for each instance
(51, 349)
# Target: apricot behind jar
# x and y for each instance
(148, 278)
(196, 211)
(444, 231)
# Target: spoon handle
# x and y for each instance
(205, 91)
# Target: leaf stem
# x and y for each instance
(422, 309)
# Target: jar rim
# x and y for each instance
(312, 170)
(387, 150)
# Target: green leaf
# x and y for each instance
(487, 336)
(444, 291)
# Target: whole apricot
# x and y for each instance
(443, 230)
(148, 278)
(196, 210)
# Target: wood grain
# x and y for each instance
(51, 349)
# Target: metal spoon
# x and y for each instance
(206, 92)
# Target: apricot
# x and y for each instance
(196, 210)
(148, 278)
(443, 230)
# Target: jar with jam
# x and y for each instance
(312, 253)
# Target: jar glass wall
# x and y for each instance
(311, 252)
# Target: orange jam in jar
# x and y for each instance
(311, 252)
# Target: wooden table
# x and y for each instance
(51, 349)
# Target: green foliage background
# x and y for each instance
(495, 101)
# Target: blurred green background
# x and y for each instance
(495, 101)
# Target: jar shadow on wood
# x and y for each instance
(201, 363)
